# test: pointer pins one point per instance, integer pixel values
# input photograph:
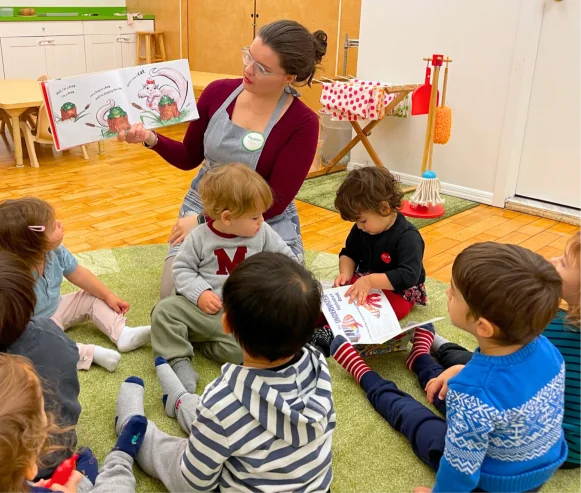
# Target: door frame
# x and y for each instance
(518, 99)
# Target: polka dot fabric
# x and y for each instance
(359, 100)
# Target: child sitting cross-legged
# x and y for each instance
(234, 198)
(263, 425)
(504, 409)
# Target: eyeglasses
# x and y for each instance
(259, 70)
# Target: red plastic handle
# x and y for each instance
(63, 472)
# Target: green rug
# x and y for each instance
(320, 191)
(368, 455)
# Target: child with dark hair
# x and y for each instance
(266, 423)
(40, 340)
(504, 409)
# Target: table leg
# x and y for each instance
(15, 119)
(101, 146)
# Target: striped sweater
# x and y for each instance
(264, 430)
(567, 339)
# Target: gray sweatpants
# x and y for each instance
(116, 474)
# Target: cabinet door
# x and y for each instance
(218, 32)
(128, 49)
(103, 52)
(1, 64)
(24, 58)
(65, 56)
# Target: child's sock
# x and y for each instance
(187, 375)
(421, 343)
(439, 341)
(129, 402)
(132, 435)
(87, 464)
(322, 339)
(345, 354)
(107, 358)
(172, 387)
(132, 338)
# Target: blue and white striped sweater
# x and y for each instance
(264, 430)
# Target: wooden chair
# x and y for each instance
(154, 47)
(41, 134)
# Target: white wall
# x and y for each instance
(62, 3)
(480, 38)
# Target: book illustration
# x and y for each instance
(373, 304)
(111, 119)
(351, 328)
(165, 103)
(69, 113)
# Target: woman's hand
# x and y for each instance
(209, 302)
(71, 485)
(439, 385)
(422, 489)
(359, 290)
(181, 228)
(137, 134)
(117, 304)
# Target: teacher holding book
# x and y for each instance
(257, 120)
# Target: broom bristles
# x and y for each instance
(427, 193)
(442, 125)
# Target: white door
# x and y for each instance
(103, 52)
(65, 56)
(128, 49)
(24, 58)
(549, 167)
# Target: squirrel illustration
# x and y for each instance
(154, 92)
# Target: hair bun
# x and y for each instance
(320, 38)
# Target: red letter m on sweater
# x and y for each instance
(225, 264)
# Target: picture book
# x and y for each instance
(92, 107)
(372, 327)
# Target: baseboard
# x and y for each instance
(544, 209)
(473, 194)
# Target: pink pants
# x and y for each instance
(79, 307)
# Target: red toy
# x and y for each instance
(63, 472)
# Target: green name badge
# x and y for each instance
(253, 141)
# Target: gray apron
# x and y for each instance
(223, 145)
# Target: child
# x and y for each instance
(504, 409)
(383, 250)
(234, 198)
(563, 332)
(40, 340)
(25, 433)
(265, 425)
(29, 229)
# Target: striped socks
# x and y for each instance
(421, 344)
(346, 355)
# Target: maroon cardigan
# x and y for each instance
(287, 155)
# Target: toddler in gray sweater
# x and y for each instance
(234, 198)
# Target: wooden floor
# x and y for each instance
(130, 196)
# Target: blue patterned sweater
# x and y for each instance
(504, 416)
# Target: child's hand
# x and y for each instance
(209, 302)
(439, 385)
(422, 489)
(181, 229)
(341, 280)
(359, 290)
(71, 486)
(117, 304)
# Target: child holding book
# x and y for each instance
(26, 431)
(30, 230)
(265, 424)
(234, 198)
(504, 409)
(563, 331)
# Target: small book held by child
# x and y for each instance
(91, 107)
(372, 327)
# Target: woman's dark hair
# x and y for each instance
(299, 50)
(271, 303)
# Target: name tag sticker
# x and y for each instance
(253, 141)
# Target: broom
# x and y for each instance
(443, 121)
(427, 193)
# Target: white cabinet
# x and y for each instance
(1, 64)
(65, 56)
(24, 58)
(110, 51)
(129, 50)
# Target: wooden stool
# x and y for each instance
(154, 47)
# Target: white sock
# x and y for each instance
(132, 338)
(107, 358)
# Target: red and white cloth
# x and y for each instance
(359, 100)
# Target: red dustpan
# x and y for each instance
(422, 95)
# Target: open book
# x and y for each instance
(91, 107)
(372, 327)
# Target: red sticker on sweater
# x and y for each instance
(386, 257)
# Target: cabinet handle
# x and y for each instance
(126, 40)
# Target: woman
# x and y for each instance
(257, 121)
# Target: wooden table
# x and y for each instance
(202, 79)
(16, 96)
